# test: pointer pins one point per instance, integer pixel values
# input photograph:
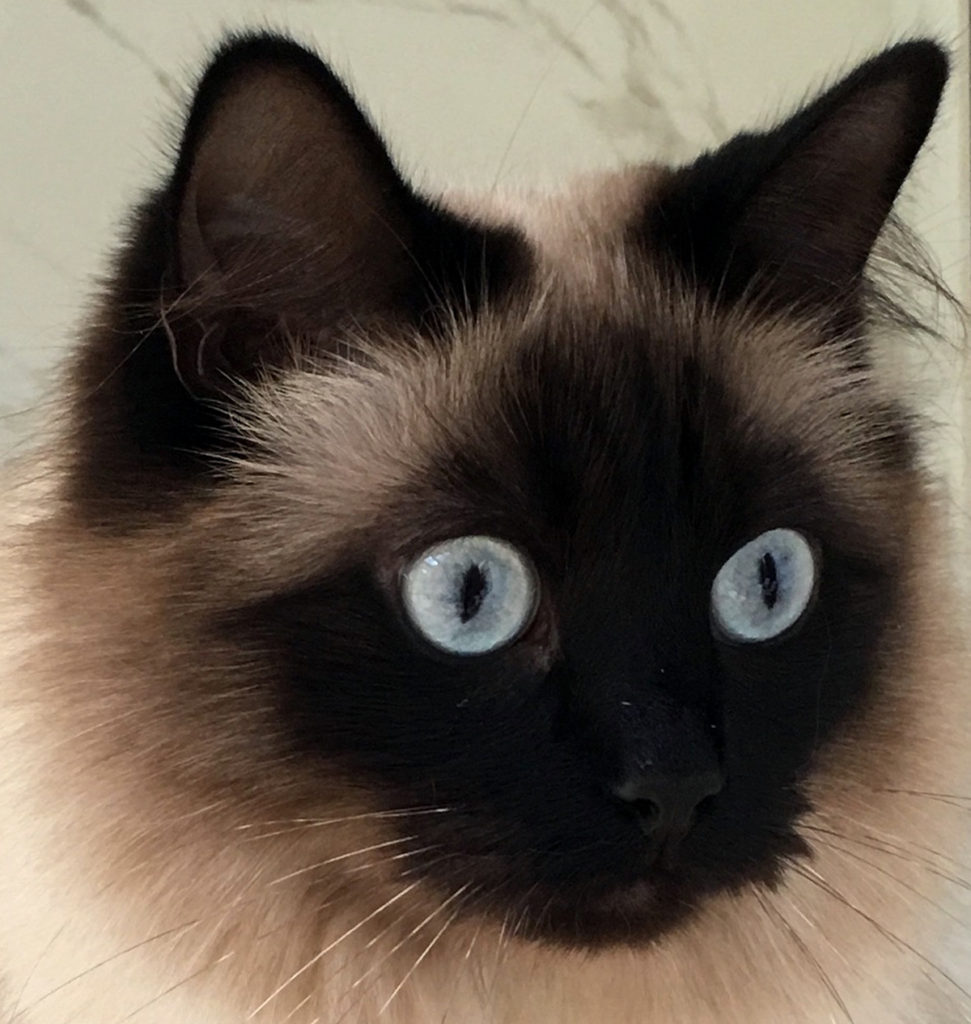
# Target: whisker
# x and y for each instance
(905, 844)
(889, 874)
(901, 853)
(177, 985)
(317, 957)
(813, 876)
(815, 927)
(71, 738)
(276, 929)
(374, 967)
(303, 1002)
(801, 944)
(493, 985)
(237, 900)
(924, 792)
(371, 865)
(341, 856)
(401, 984)
(30, 974)
(399, 813)
(179, 929)
(413, 853)
(962, 802)
(418, 927)
(301, 824)
(466, 961)
(524, 913)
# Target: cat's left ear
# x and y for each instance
(286, 218)
(788, 217)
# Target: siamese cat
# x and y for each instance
(516, 610)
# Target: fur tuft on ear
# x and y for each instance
(789, 217)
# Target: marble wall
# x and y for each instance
(479, 92)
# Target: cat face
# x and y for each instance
(619, 747)
(548, 537)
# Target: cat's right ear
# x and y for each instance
(289, 216)
(285, 217)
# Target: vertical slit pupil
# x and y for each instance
(769, 580)
(475, 586)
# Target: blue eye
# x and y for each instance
(470, 595)
(765, 587)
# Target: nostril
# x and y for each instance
(668, 805)
(706, 805)
(648, 814)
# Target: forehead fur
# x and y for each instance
(337, 446)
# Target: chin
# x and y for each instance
(631, 914)
(626, 890)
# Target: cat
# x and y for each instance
(518, 609)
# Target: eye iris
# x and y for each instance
(769, 580)
(470, 595)
(766, 587)
(475, 586)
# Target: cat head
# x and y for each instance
(557, 548)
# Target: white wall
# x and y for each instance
(474, 91)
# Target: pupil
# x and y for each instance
(768, 580)
(475, 586)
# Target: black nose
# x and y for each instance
(666, 804)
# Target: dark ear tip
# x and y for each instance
(925, 55)
(925, 62)
(243, 52)
(242, 48)
(229, 62)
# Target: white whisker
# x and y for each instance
(401, 984)
(327, 949)
(303, 1002)
(410, 935)
(342, 856)
(302, 824)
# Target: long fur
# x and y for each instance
(161, 860)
